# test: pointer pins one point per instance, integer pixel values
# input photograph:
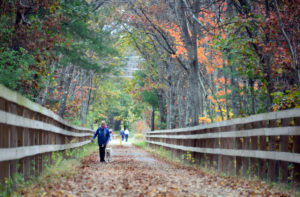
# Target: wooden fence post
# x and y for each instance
(238, 159)
(262, 147)
(296, 149)
(246, 146)
(254, 146)
(272, 147)
(284, 146)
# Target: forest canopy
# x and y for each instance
(203, 60)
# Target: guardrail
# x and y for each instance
(29, 133)
(264, 145)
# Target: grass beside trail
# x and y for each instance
(64, 164)
(159, 152)
(140, 144)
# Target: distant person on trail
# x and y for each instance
(126, 132)
(103, 138)
(111, 134)
(122, 134)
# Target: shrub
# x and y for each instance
(139, 136)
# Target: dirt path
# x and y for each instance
(134, 172)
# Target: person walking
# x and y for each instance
(122, 134)
(111, 134)
(126, 132)
(103, 137)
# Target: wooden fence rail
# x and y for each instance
(30, 133)
(264, 145)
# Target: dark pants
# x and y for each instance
(126, 137)
(102, 153)
(122, 137)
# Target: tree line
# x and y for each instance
(204, 60)
(213, 60)
(59, 54)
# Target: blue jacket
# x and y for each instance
(122, 132)
(103, 135)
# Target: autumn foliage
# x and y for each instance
(247, 55)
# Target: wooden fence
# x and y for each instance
(266, 146)
(30, 133)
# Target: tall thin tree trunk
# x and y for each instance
(61, 78)
(187, 107)
(153, 118)
(210, 111)
(84, 97)
(44, 93)
(251, 83)
(171, 105)
(93, 102)
(75, 82)
(182, 94)
(268, 66)
(226, 92)
(161, 104)
(235, 95)
(66, 87)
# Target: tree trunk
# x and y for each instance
(44, 93)
(182, 94)
(235, 95)
(189, 34)
(65, 93)
(61, 78)
(162, 113)
(210, 111)
(84, 97)
(267, 65)
(187, 107)
(252, 91)
(226, 91)
(75, 82)
(171, 107)
(153, 119)
(93, 103)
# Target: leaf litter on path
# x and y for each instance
(134, 172)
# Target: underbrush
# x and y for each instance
(64, 163)
(139, 137)
(140, 144)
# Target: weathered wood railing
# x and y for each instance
(264, 145)
(29, 133)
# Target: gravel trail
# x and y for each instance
(134, 172)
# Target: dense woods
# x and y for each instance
(215, 60)
(204, 60)
(57, 52)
